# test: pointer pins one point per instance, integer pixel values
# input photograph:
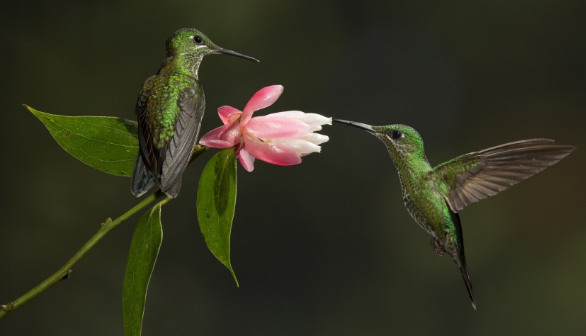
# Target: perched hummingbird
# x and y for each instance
(169, 109)
(434, 196)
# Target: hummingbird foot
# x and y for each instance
(437, 246)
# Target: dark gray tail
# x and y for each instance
(466, 277)
(456, 251)
(174, 190)
(141, 180)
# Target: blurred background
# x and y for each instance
(322, 248)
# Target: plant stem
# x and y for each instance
(108, 225)
(65, 270)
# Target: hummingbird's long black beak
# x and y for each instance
(365, 127)
(233, 53)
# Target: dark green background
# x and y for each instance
(322, 248)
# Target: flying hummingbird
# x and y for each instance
(169, 110)
(434, 196)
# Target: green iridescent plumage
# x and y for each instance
(164, 92)
(169, 110)
(434, 196)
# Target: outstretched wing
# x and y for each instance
(191, 102)
(478, 175)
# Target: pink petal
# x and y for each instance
(246, 159)
(263, 98)
(228, 114)
(281, 155)
(276, 127)
(223, 136)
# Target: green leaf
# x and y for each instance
(216, 202)
(144, 249)
(106, 143)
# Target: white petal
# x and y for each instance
(289, 114)
(316, 138)
(299, 145)
(312, 119)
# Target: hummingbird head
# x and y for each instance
(194, 45)
(402, 141)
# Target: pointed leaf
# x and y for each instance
(106, 143)
(144, 248)
(216, 202)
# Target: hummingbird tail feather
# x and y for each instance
(173, 191)
(467, 281)
(455, 248)
(141, 180)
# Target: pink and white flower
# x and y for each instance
(279, 138)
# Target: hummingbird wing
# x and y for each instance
(145, 136)
(180, 109)
(478, 175)
(177, 152)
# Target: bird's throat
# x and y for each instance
(185, 63)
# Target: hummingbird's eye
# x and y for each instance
(396, 135)
(197, 39)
